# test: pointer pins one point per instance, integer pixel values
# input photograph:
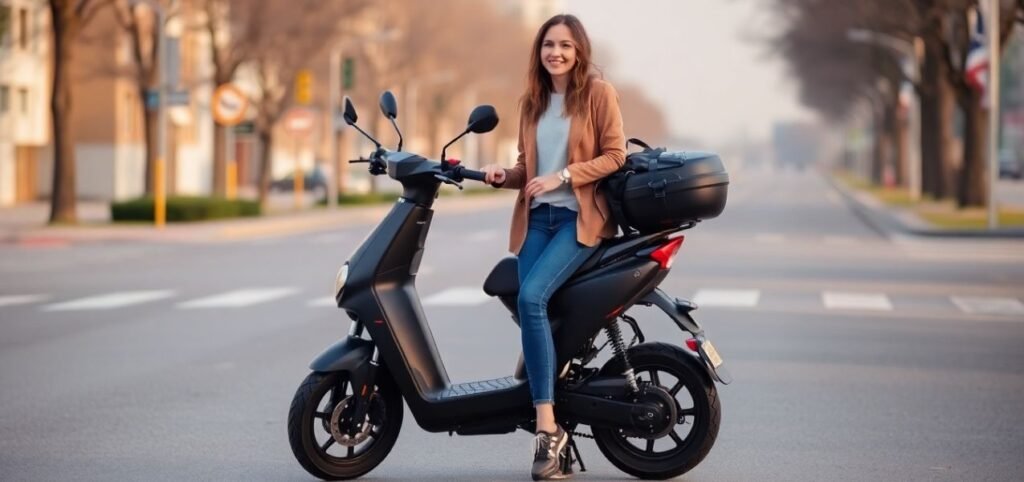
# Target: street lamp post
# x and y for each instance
(910, 63)
(992, 30)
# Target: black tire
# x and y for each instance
(306, 416)
(702, 415)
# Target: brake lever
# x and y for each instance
(448, 180)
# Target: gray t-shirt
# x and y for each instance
(553, 153)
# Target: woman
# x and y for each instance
(570, 136)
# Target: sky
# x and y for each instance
(704, 61)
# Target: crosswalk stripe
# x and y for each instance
(461, 296)
(10, 300)
(239, 298)
(735, 298)
(483, 235)
(322, 302)
(840, 240)
(856, 301)
(111, 300)
(989, 305)
(769, 238)
(328, 238)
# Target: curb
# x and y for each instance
(887, 221)
(239, 229)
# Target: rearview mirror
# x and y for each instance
(483, 119)
(350, 112)
(388, 105)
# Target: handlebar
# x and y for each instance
(472, 174)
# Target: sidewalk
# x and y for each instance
(26, 224)
(886, 219)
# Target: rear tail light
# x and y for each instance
(667, 252)
(692, 345)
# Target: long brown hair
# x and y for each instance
(538, 82)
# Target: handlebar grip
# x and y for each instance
(473, 175)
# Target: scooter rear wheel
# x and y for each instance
(312, 418)
(697, 404)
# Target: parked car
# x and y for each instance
(312, 181)
(1010, 165)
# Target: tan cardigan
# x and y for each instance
(597, 148)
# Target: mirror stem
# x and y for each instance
(445, 149)
(368, 136)
(399, 131)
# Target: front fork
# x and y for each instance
(360, 358)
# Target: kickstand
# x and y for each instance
(572, 456)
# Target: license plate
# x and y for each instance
(711, 353)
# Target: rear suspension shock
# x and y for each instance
(615, 335)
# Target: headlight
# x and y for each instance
(339, 281)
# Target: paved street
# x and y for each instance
(857, 354)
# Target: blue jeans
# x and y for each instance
(549, 256)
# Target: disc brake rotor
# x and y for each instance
(342, 415)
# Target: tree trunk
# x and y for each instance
(63, 201)
(150, 120)
(263, 186)
(937, 107)
(220, 142)
(901, 148)
(973, 188)
(946, 110)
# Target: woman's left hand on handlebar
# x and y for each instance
(542, 184)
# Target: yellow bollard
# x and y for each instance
(232, 178)
(299, 186)
(159, 196)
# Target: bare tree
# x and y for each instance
(68, 18)
(142, 32)
(296, 33)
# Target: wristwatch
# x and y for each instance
(564, 175)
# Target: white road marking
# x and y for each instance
(459, 296)
(841, 240)
(856, 301)
(10, 300)
(487, 235)
(769, 238)
(989, 305)
(734, 298)
(322, 302)
(424, 269)
(328, 238)
(239, 298)
(111, 300)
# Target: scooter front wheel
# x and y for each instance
(320, 442)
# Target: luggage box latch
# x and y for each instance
(658, 187)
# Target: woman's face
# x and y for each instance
(558, 51)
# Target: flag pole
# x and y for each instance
(992, 30)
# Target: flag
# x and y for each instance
(976, 67)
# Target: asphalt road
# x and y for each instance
(857, 354)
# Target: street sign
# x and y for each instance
(177, 97)
(299, 121)
(229, 105)
(245, 128)
(304, 87)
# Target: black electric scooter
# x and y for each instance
(653, 408)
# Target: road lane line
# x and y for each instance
(769, 238)
(10, 300)
(856, 301)
(977, 305)
(841, 240)
(111, 300)
(486, 235)
(738, 298)
(322, 302)
(458, 296)
(328, 238)
(239, 298)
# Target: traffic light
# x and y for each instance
(304, 87)
(348, 73)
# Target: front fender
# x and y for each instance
(347, 354)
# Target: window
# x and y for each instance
(23, 99)
(23, 28)
(5, 93)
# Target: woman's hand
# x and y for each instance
(493, 174)
(542, 184)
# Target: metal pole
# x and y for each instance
(332, 110)
(992, 29)
(160, 184)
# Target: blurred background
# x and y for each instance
(865, 283)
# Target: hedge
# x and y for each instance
(184, 209)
